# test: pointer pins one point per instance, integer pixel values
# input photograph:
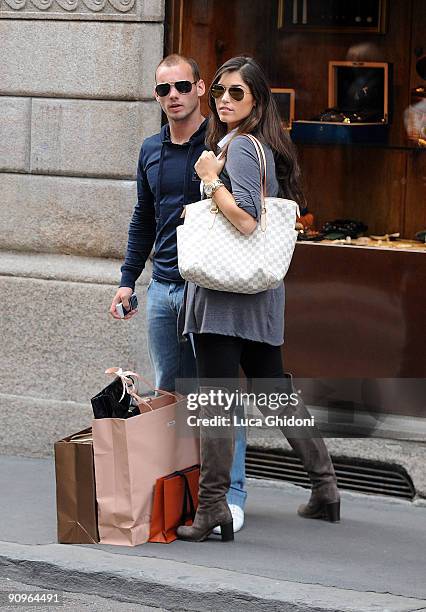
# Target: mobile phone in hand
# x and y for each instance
(133, 304)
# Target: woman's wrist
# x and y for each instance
(209, 178)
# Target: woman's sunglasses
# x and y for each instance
(183, 87)
(237, 93)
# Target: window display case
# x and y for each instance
(358, 105)
(285, 101)
(351, 309)
(332, 15)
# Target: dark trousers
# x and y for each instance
(220, 357)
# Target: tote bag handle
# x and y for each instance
(262, 163)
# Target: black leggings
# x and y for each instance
(220, 357)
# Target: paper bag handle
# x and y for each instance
(187, 499)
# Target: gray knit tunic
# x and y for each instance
(258, 316)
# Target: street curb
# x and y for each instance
(181, 586)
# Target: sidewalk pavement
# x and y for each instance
(374, 560)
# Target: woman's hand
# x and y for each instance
(208, 167)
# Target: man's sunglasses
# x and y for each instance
(237, 93)
(183, 87)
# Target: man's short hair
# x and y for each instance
(175, 58)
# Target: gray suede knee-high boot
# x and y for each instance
(216, 462)
(310, 448)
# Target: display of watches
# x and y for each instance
(211, 188)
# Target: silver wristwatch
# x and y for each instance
(210, 188)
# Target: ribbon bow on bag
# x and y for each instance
(120, 399)
(127, 380)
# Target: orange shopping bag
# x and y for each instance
(175, 503)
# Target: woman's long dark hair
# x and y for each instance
(264, 122)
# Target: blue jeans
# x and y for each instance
(173, 359)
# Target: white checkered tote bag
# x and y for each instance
(213, 254)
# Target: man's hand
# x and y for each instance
(123, 295)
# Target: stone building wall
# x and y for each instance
(76, 101)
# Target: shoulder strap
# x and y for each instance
(261, 155)
(262, 161)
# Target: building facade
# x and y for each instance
(76, 101)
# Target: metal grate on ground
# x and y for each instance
(361, 476)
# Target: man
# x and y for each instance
(166, 181)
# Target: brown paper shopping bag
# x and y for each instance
(175, 503)
(75, 490)
(130, 455)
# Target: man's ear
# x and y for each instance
(201, 88)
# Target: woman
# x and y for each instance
(230, 329)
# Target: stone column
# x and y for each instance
(76, 102)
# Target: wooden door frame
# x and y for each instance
(173, 26)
